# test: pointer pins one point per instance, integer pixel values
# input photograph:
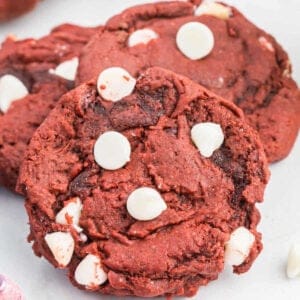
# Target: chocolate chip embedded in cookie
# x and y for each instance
(216, 46)
(13, 8)
(144, 189)
(34, 74)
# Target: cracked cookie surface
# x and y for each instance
(206, 198)
(30, 62)
(246, 65)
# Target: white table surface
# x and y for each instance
(280, 212)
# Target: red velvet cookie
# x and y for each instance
(13, 8)
(144, 187)
(34, 74)
(215, 46)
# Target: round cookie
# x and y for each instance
(145, 193)
(242, 62)
(36, 73)
(13, 8)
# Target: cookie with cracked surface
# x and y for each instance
(144, 187)
(13, 8)
(215, 46)
(34, 74)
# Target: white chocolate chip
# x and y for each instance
(62, 246)
(66, 69)
(145, 204)
(83, 237)
(141, 36)
(217, 10)
(208, 137)
(112, 150)
(238, 247)
(266, 44)
(77, 228)
(115, 83)
(286, 73)
(11, 89)
(195, 40)
(70, 214)
(89, 272)
(293, 264)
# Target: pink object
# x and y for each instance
(9, 290)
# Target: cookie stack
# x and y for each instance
(142, 146)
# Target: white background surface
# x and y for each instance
(280, 213)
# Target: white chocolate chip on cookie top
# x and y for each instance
(266, 44)
(238, 247)
(112, 150)
(195, 40)
(89, 272)
(62, 246)
(11, 89)
(115, 83)
(145, 204)
(70, 213)
(215, 9)
(207, 137)
(66, 69)
(141, 36)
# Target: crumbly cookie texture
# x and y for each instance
(216, 46)
(164, 220)
(34, 74)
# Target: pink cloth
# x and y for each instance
(9, 290)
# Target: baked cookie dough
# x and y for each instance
(13, 8)
(34, 74)
(216, 46)
(144, 186)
